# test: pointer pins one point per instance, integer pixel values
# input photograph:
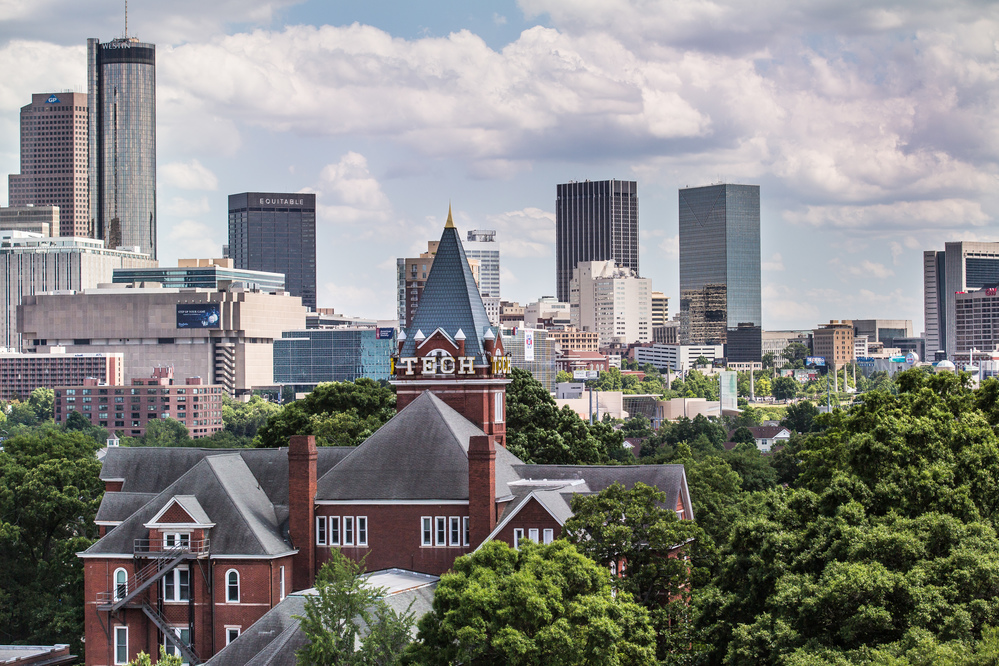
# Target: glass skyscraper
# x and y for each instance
(594, 221)
(276, 233)
(310, 357)
(719, 261)
(122, 117)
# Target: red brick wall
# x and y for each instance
(302, 457)
(481, 487)
(113, 486)
(395, 537)
(532, 515)
(258, 593)
(175, 514)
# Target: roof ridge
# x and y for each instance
(447, 423)
(233, 502)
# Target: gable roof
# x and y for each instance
(420, 454)
(190, 505)
(246, 522)
(768, 432)
(450, 300)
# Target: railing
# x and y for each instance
(120, 591)
(168, 632)
(170, 548)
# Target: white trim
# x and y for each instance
(109, 523)
(114, 583)
(429, 533)
(251, 557)
(322, 536)
(118, 628)
(352, 532)
(440, 536)
(382, 502)
(688, 508)
(442, 332)
(122, 479)
(506, 520)
(357, 527)
(454, 530)
(154, 521)
(465, 531)
(178, 526)
(561, 483)
(87, 556)
(547, 535)
(228, 628)
(518, 536)
(329, 534)
(281, 591)
(227, 586)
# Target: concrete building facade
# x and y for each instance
(962, 266)
(226, 337)
(41, 220)
(54, 160)
(834, 343)
(20, 373)
(678, 358)
(611, 301)
(481, 246)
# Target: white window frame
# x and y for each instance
(176, 539)
(348, 531)
(361, 524)
(498, 407)
(320, 530)
(175, 576)
(518, 536)
(120, 589)
(454, 531)
(228, 587)
(170, 648)
(465, 529)
(229, 637)
(119, 631)
(334, 533)
(440, 531)
(532, 534)
(549, 535)
(281, 581)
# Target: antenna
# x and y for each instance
(126, 19)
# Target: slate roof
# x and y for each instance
(450, 300)
(116, 507)
(421, 453)
(667, 478)
(246, 522)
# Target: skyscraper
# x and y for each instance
(594, 221)
(962, 266)
(276, 232)
(481, 246)
(122, 104)
(54, 160)
(719, 261)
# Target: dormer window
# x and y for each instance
(176, 540)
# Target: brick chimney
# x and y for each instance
(302, 457)
(481, 487)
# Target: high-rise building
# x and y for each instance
(594, 221)
(54, 154)
(276, 233)
(660, 309)
(961, 266)
(834, 343)
(611, 300)
(481, 246)
(719, 261)
(412, 272)
(122, 119)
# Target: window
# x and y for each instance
(518, 536)
(281, 581)
(426, 523)
(499, 407)
(441, 531)
(121, 645)
(334, 530)
(320, 530)
(120, 584)
(455, 531)
(348, 530)
(177, 585)
(176, 540)
(362, 530)
(171, 648)
(232, 586)
(549, 535)
(231, 634)
(465, 521)
(532, 534)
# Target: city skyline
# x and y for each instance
(871, 135)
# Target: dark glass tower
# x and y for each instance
(594, 221)
(719, 261)
(122, 101)
(276, 232)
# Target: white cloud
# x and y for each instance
(183, 207)
(869, 268)
(775, 263)
(893, 217)
(193, 239)
(529, 232)
(192, 175)
(356, 299)
(670, 247)
(349, 193)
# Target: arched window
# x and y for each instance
(120, 584)
(232, 586)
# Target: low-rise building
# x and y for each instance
(546, 312)
(21, 373)
(678, 358)
(129, 409)
(834, 342)
(571, 360)
(571, 338)
(42, 220)
(308, 357)
(203, 274)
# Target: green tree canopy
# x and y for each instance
(164, 432)
(539, 605)
(784, 388)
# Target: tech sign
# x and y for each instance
(447, 365)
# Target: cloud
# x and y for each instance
(190, 175)
(529, 232)
(670, 247)
(869, 268)
(893, 217)
(193, 239)
(350, 194)
(182, 207)
(353, 296)
(776, 263)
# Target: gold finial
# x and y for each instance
(450, 221)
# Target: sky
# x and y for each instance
(871, 128)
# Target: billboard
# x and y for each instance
(585, 374)
(528, 344)
(384, 333)
(198, 315)
(819, 361)
(728, 386)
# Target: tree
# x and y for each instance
(769, 360)
(785, 388)
(367, 403)
(702, 361)
(763, 386)
(743, 435)
(50, 488)
(563, 377)
(795, 354)
(638, 527)
(800, 416)
(538, 605)
(143, 659)
(244, 419)
(164, 432)
(42, 401)
(346, 611)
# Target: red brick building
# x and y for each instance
(198, 544)
(127, 409)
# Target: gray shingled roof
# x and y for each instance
(245, 520)
(450, 300)
(667, 478)
(116, 507)
(421, 453)
(150, 469)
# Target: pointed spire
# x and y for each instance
(450, 221)
(460, 335)
(419, 337)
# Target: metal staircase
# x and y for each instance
(165, 559)
(190, 656)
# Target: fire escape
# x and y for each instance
(162, 559)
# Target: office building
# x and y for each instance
(660, 309)
(306, 358)
(20, 373)
(719, 261)
(127, 410)
(122, 127)
(975, 322)
(676, 358)
(594, 221)
(41, 220)
(541, 362)
(481, 246)
(276, 233)
(885, 331)
(570, 338)
(612, 301)
(54, 154)
(667, 334)
(834, 343)
(547, 312)
(202, 274)
(776, 342)
(224, 336)
(744, 344)
(35, 264)
(961, 266)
